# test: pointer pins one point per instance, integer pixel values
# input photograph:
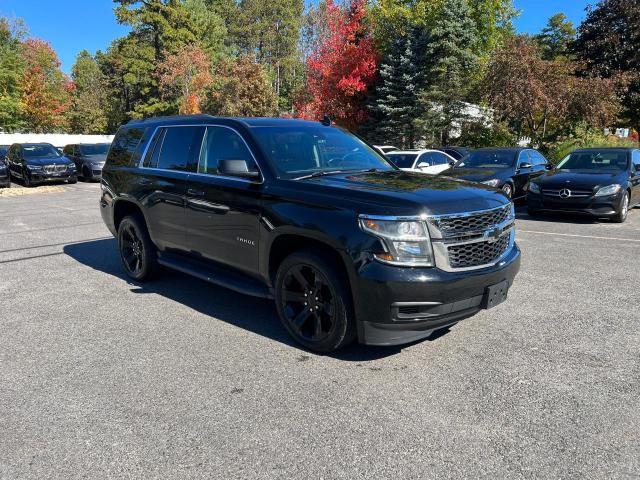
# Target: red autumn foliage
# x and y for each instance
(341, 70)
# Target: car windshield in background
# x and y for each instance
(595, 160)
(37, 151)
(488, 159)
(402, 160)
(99, 149)
(305, 150)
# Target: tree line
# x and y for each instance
(397, 71)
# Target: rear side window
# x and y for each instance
(222, 143)
(124, 146)
(635, 157)
(179, 146)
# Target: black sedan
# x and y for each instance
(456, 152)
(88, 158)
(509, 169)
(602, 182)
(39, 162)
(5, 180)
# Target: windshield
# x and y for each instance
(99, 149)
(402, 160)
(488, 159)
(303, 150)
(596, 160)
(36, 151)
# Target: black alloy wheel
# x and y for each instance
(26, 179)
(313, 303)
(623, 209)
(137, 252)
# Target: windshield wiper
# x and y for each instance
(318, 174)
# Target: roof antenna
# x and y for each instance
(326, 121)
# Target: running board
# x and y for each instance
(215, 274)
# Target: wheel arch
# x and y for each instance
(126, 207)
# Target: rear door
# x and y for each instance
(222, 211)
(162, 183)
(635, 177)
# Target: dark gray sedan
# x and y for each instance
(89, 159)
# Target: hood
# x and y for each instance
(48, 161)
(397, 192)
(579, 179)
(98, 158)
(477, 174)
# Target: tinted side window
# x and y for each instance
(635, 157)
(537, 157)
(222, 143)
(67, 150)
(124, 146)
(151, 159)
(179, 146)
(439, 158)
(425, 158)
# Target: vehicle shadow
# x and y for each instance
(576, 219)
(250, 313)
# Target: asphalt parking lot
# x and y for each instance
(101, 378)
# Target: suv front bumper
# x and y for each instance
(399, 305)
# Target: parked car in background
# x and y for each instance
(39, 162)
(384, 149)
(424, 161)
(88, 158)
(348, 245)
(5, 178)
(509, 169)
(456, 152)
(602, 182)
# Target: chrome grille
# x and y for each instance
(54, 168)
(573, 193)
(477, 253)
(472, 240)
(472, 222)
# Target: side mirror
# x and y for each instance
(525, 165)
(423, 165)
(452, 163)
(549, 166)
(237, 168)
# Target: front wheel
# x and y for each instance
(26, 179)
(314, 302)
(507, 189)
(623, 210)
(72, 180)
(137, 252)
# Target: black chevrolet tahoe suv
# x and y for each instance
(308, 214)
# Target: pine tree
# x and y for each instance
(450, 61)
(11, 72)
(87, 114)
(395, 103)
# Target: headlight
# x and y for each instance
(608, 190)
(534, 188)
(407, 241)
(494, 182)
(71, 166)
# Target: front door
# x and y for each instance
(223, 212)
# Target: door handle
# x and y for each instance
(195, 193)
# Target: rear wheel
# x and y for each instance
(623, 209)
(314, 302)
(137, 252)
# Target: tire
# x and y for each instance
(623, 209)
(138, 254)
(314, 302)
(72, 180)
(507, 189)
(533, 213)
(26, 179)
